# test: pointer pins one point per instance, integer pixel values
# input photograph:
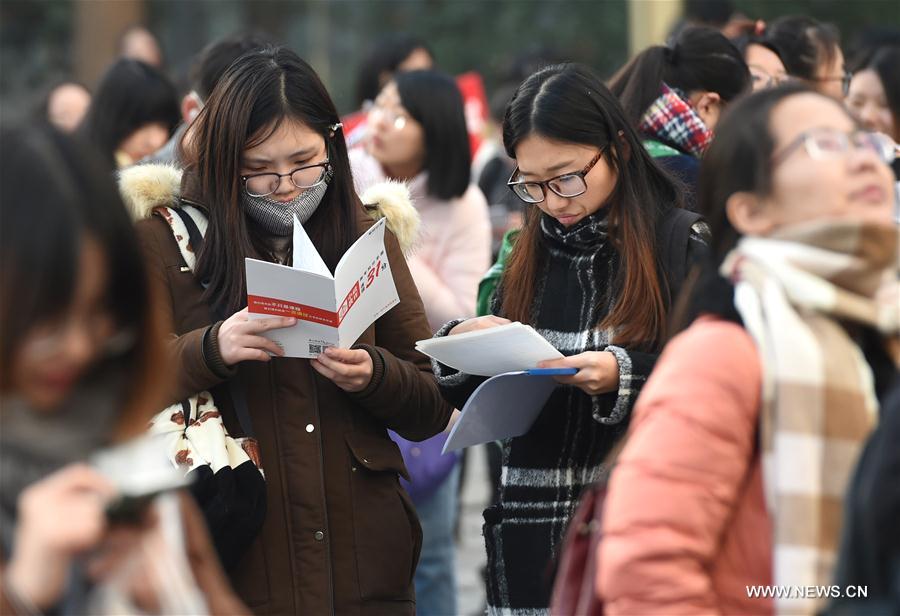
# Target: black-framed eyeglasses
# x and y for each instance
(567, 185)
(264, 184)
(845, 80)
(824, 143)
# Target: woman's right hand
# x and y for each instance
(59, 517)
(240, 339)
(476, 323)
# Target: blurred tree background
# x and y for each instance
(43, 41)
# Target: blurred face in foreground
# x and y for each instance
(823, 167)
(54, 355)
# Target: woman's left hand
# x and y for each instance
(598, 371)
(350, 369)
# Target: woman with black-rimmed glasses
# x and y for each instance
(589, 274)
(339, 534)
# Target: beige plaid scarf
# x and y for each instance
(793, 290)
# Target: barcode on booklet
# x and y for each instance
(316, 349)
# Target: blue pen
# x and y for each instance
(551, 371)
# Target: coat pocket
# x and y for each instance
(386, 530)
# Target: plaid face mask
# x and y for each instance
(278, 218)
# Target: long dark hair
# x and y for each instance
(700, 58)
(434, 101)
(42, 234)
(569, 103)
(804, 44)
(258, 92)
(131, 94)
(739, 160)
(382, 62)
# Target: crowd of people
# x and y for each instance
(708, 236)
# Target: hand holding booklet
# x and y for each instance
(330, 310)
(507, 404)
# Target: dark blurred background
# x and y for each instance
(43, 41)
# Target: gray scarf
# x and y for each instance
(276, 217)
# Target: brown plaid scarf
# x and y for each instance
(793, 290)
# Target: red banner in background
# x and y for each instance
(475, 103)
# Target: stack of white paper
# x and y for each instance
(489, 352)
(507, 404)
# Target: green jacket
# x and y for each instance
(491, 279)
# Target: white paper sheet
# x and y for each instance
(489, 352)
(502, 407)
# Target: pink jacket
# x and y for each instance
(454, 247)
(685, 523)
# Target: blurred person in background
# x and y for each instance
(874, 96)
(133, 114)
(746, 434)
(763, 60)
(811, 51)
(81, 367)
(340, 534)
(391, 54)
(138, 43)
(589, 273)
(417, 133)
(491, 169)
(205, 72)
(65, 105)
(673, 95)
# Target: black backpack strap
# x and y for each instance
(192, 228)
(673, 237)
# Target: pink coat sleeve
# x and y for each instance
(690, 444)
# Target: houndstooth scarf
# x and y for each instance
(672, 118)
(793, 291)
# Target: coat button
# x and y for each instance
(319, 535)
(365, 460)
(310, 427)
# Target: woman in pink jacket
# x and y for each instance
(417, 134)
(743, 439)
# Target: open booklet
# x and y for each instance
(330, 310)
(507, 404)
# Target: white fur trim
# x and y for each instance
(391, 201)
(144, 187)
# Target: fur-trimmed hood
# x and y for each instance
(145, 187)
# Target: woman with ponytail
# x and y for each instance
(673, 96)
(589, 274)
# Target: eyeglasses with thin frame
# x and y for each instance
(845, 80)
(264, 184)
(824, 143)
(567, 185)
